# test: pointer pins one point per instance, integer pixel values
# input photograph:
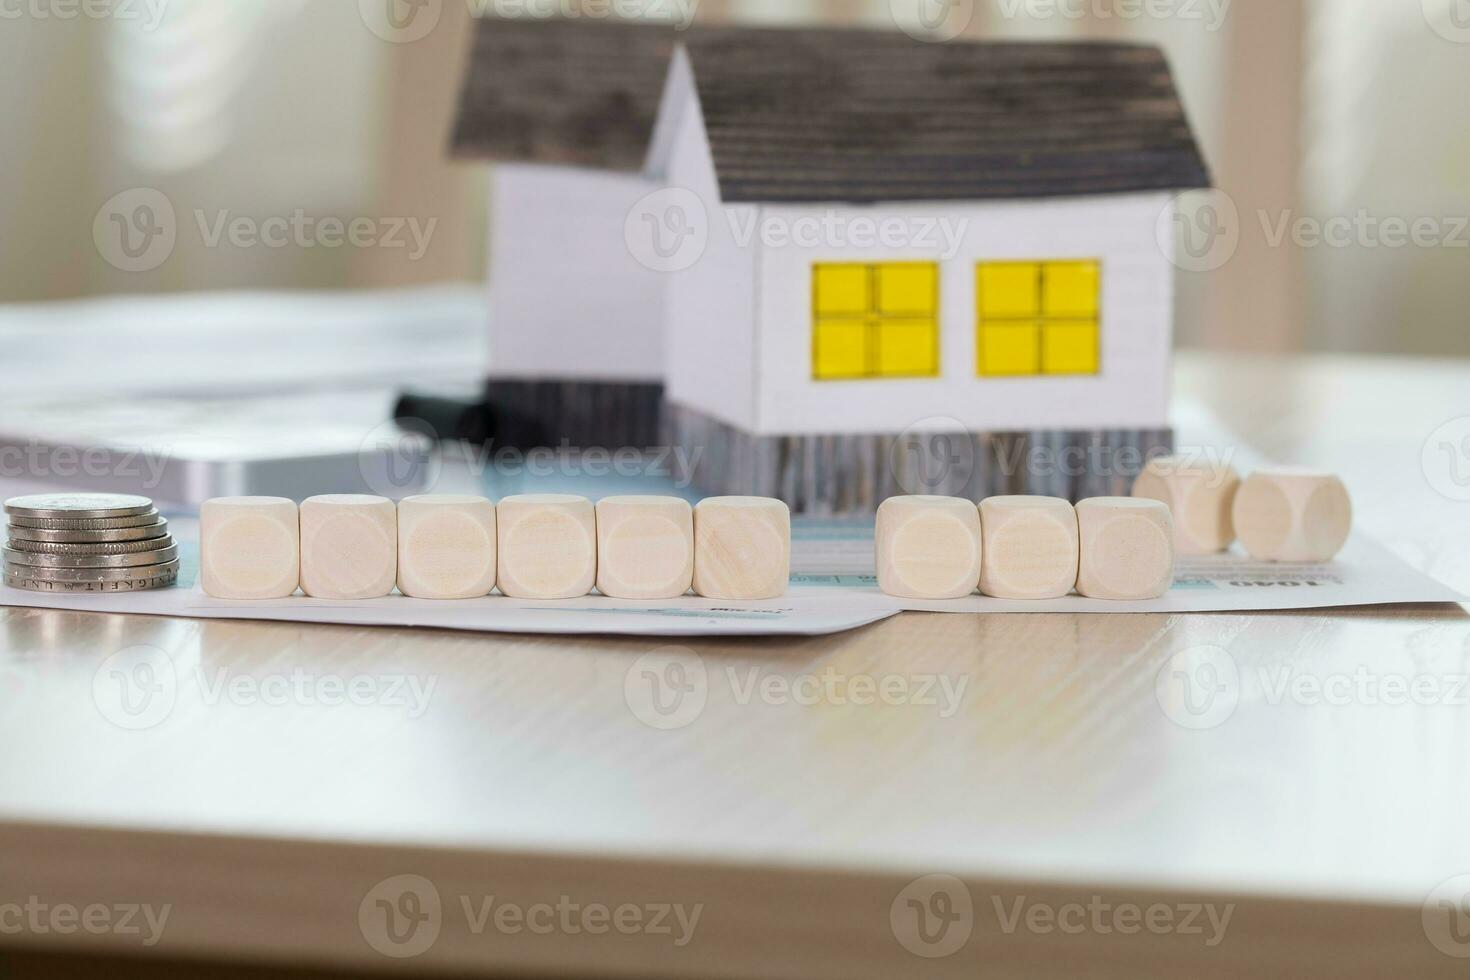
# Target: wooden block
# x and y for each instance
(1127, 548)
(1200, 496)
(645, 547)
(1031, 547)
(349, 546)
(1290, 514)
(249, 547)
(548, 546)
(742, 548)
(928, 547)
(446, 547)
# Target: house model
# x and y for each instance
(916, 267)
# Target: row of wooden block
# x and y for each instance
(1279, 514)
(739, 548)
(1032, 548)
(460, 547)
(1117, 548)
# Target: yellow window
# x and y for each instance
(1071, 289)
(1070, 347)
(841, 349)
(1010, 349)
(1038, 318)
(908, 290)
(1010, 289)
(907, 348)
(842, 290)
(875, 321)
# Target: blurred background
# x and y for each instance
(1336, 127)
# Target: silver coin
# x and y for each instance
(97, 575)
(78, 506)
(100, 548)
(107, 536)
(85, 524)
(32, 559)
(140, 580)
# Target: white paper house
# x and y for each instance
(566, 111)
(905, 237)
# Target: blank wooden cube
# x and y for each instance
(446, 547)
(1031, 547)
(548, 546)
(249, 547)
(349, 546)
(1127, 548)
(645, 547)
(1289, 514)
(742, 548)
(928, 547)
(1200, 495)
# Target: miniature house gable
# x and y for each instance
(712, 308)
(956, 236)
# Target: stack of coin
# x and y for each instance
(88, 542)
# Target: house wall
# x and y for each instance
(712, 302)
(1131, 392)
(569, 300)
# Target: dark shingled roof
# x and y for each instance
(577, 92)
(824, 115)
(862, 116)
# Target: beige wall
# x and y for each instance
(269, 107)
(48, 86)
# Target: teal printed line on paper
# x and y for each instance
(835, 581)
(188, 564)
(831, 530)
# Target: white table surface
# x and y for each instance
(1060, 777)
